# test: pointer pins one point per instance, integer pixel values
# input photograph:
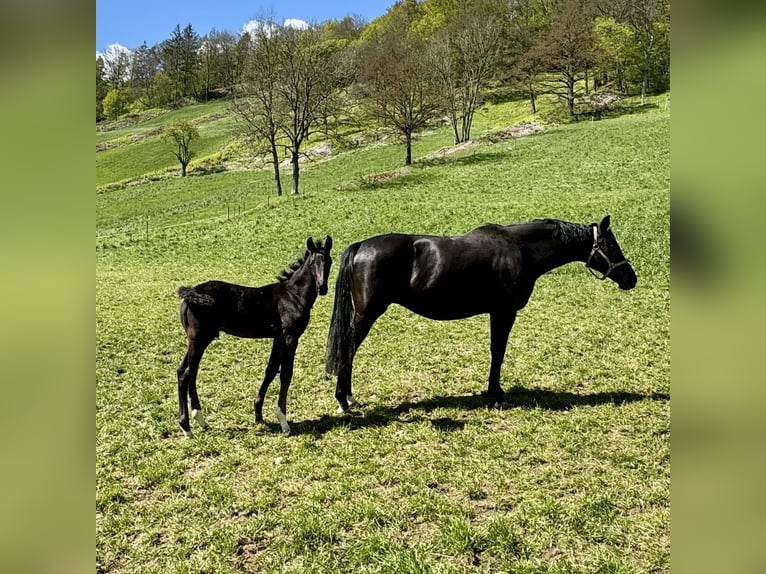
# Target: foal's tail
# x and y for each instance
(340, 339)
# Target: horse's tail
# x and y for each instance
(190, 295)
(340, 339)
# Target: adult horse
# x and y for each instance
(491, 269)
(278, 311)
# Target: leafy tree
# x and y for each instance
(181, 134)
(617, 52)
(101, 88)
(649, 21)
(116, 103)
(180, 61)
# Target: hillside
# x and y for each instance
(573, 475)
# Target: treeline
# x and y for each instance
(419, 61)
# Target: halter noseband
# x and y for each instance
(597, 249)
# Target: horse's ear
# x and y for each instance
(604, 225)
(310, 244)
(328, 243)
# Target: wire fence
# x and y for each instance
(145, 229)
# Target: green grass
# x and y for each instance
(572, 477)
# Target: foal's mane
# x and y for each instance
(290, 270)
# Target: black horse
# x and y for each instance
(278, 311)
(491, 269)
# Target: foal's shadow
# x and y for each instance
(515, 397)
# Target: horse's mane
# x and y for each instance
(290, 270)
(564, 230)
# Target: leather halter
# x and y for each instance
(597, 249)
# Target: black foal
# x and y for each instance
(278, 311)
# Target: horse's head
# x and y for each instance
(319, 262)
(606, 258)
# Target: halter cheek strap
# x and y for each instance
(597, 249)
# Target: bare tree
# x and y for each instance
(181, 134)
(256, 101)
(463, 55)
(398, 83)
(310, 72)
(566, 51)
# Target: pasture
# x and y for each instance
(573, 475)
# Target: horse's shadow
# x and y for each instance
(515, 397)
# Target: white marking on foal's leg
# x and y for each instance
(340, 410)
(282, 419)
(351, 400)
(187, 433)
(199, 417)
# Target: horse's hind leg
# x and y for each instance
(362, 324)
(187, 384)
(271, 372)
(183, 387)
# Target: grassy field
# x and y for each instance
(572, 476)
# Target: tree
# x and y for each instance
(181, 134)
(144, 64)
(101, 88)
(256, 102)
(116, 65)
(180, 61)
(566, 51)
(464, 54)
(116, 103)
(649, 21)
(617, 52)
(310, 71)
(398, 84)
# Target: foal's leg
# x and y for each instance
(362, 324)
(500, 329)
(271, 372)
(187, 382)
(285, 377)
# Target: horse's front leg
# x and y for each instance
(285, 378)
(271, 372)
(500, 329)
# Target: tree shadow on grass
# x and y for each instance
(516, 397)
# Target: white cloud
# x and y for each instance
(113, 52)
(296, 23)
(255, 26)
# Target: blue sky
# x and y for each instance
(130, 23)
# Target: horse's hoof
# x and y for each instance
(199, 417)
(350, 400)
(187, 433)
(282, 420)
(342, 411)
(498, 405)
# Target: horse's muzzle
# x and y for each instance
(628, 283)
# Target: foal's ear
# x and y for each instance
(604, 225)
(328, 243)
(310, 244)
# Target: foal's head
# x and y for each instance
(319, 262)
(606, 258)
